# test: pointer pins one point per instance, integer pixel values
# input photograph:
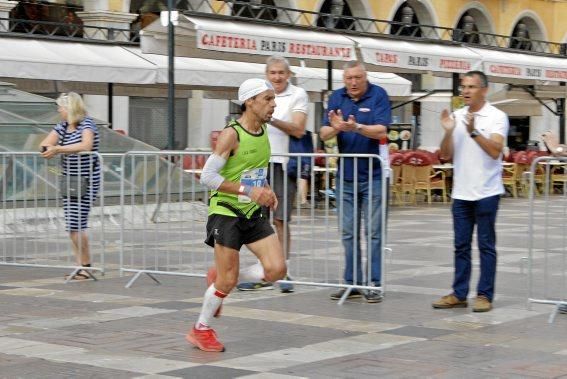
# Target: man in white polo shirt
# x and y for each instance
(289, 119)
(474, 137)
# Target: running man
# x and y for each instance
(236, 174)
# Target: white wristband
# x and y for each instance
(245, 190)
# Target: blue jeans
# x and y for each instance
(465, 215)
(351, 228)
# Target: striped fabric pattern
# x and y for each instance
(77, 209)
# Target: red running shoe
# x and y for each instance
(211, 277)
(205, 340)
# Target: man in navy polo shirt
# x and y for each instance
(358, 115)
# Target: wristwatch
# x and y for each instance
(358, 127)
(475, 133)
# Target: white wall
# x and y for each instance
(311, 118)
(431, 132)
(205, 115)
(97, 107)
(98, 5)
(540, 124)
(121, 113)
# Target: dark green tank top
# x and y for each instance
(249, 166)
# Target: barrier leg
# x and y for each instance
(523, 264)
(553, 314)
(388, 251)
(76, 271)
(131, 282)
(345, 295)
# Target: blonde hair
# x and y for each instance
(74, 105)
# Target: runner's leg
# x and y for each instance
(269, 251)
(227, 262)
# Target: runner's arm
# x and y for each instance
(211, 177)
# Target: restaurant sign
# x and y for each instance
(263, 45)
(418, 61)
(525, 72)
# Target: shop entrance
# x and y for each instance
(519, 134)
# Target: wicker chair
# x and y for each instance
(427, 179)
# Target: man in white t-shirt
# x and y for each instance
(289, 119)
(474, 137)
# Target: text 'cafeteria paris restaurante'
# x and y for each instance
(208, 40)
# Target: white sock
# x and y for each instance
(211, 302)
(254, 274)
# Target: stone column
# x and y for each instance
(118, 20)
(5, 8)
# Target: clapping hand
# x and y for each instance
(337, 122)
(336, 119)
(470, 121)
(349, 125)
(447, 120)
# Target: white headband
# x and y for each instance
(252, 87)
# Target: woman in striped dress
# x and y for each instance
(76, 133)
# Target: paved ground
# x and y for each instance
(100, 329)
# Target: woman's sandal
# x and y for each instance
(80, 275)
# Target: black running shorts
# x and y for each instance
(234, 232)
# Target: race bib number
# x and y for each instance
(253, 178)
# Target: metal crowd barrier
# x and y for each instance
(317, 254)
(33, 226)
(164, 214)
(547, 233)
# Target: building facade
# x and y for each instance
(518, 25)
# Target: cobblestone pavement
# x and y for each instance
(49, 329)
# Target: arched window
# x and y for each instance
(334, 9)
(466, 30)
(405, 22)
(31, 11)
(255, 10)
(520, 38)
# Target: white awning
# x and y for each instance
(522, 66)
(438, 97)
(72, 61)
(203, 72)
(519, 108)
(417, 55)
(199, 72)
(223, 36)
(94, 63)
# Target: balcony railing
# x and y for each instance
(65, 31)
(297, 18)
(262, 13)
